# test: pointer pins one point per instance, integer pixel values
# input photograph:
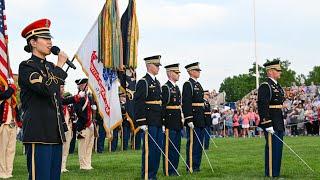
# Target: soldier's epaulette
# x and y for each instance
(270, 90)
(264, 83)
(168, 92)
(145, 80)
(29, 61)
(191, 86)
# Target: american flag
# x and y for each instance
(3, 45)
(5, 70)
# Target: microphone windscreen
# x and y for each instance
(55, 50)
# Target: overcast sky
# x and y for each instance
(217, 33)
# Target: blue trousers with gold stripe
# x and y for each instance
(44, 161)
(277, 146)
(114, 142)
(171, 152)
(101, 139)
(126, 136)
(137, 140)
(151, 153)
(206, 137)
(193, 148)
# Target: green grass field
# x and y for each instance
(233, 159)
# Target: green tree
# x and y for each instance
(262, 72)
(314, 76)
(288, 76)
(301, 78)
(237, 86)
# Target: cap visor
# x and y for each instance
(44, 36)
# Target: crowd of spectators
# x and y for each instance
(301, 114)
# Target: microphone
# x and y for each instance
(55, 50)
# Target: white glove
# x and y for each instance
(10, 81)
(163, 129)
(270, 130)
(144, 127)
(94, 107)
(190, 124)
(82, 93)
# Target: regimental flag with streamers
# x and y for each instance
(130, 37)
(110, 40)
(5, 70)
(95, 58)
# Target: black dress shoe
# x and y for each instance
(196, 170)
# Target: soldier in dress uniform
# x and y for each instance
(193, 111)
(74, 119)
(171, 105)
(85, 126)
(148, 117)
(207, 116)
(125, 130)
(270, 103)
(136, 138)
(102, 133)
(129, 108)
(67, 100)
(113, 144)
(9, 121)
(43, 120)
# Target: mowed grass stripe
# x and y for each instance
(233, 159)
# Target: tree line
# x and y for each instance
(236, 87)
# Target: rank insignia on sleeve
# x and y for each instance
(35, 77)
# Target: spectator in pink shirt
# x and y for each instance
(236, 123)
(251, 116)
(245, 123)
(309, 120)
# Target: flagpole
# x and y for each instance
(255, 44)
(8, 72)
(8, 61)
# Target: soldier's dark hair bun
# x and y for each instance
(27, 48)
